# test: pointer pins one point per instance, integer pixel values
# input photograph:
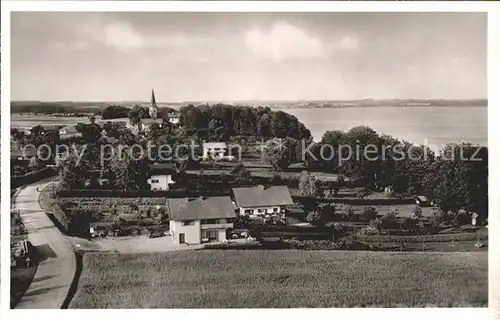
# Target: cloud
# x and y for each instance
(348, 43)
(284, 41)
(122, 35)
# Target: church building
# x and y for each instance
(145, 124)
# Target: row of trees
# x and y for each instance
(456, 178)
(242, 120)
(117, 111)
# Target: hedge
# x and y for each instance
(419, 238)
(143, 193)
(355, 201)
(32, 177)
(293, 232)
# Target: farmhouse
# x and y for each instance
(174, 118)
(200, 220)
(215, 150)
(161, 176)
(69, 132)
(261, 200)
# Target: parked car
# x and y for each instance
(155, 234)
(422, 201)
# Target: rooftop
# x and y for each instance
(216, 145)
(110, 140)
(262, 196)
(70, 129)
(162, 168)
(181, 209)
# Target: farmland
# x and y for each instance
(281, 279)
(28, 121)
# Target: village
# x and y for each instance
(235, 192)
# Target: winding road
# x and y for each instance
(57, 262)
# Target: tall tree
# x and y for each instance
(70, 173)
(309, 186)
(129, 173)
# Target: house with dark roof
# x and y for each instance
(174, 118)
(261, 200)
(200, 220)
(161, 176)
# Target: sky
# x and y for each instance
(89, 56)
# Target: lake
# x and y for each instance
(420, 125)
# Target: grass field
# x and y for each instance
(275, 278)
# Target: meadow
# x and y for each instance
(28, 121)
(281, 279)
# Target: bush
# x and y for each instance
(316, 217)
(390, 220)
(436, 219)
(339, 230)
(322, 214)
(376, 223)
(409, 223)
(369, 230)
(362, 194)
(369, 213)
(349, 214)
(343, 243)
(417, 211)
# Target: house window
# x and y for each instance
(187, 223)
(275, 210)
(209, 221)
(248, 211)
(155, 181)
(260, 210)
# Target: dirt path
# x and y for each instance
(57, 263)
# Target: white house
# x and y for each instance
(215, 150)
(174, 118)
(200, 220)
(160, 176)
(69, 132)
(261, 200)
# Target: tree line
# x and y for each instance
(243, 121)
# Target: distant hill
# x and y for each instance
(97, 107)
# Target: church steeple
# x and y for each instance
(153, 109)
(153, 99)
